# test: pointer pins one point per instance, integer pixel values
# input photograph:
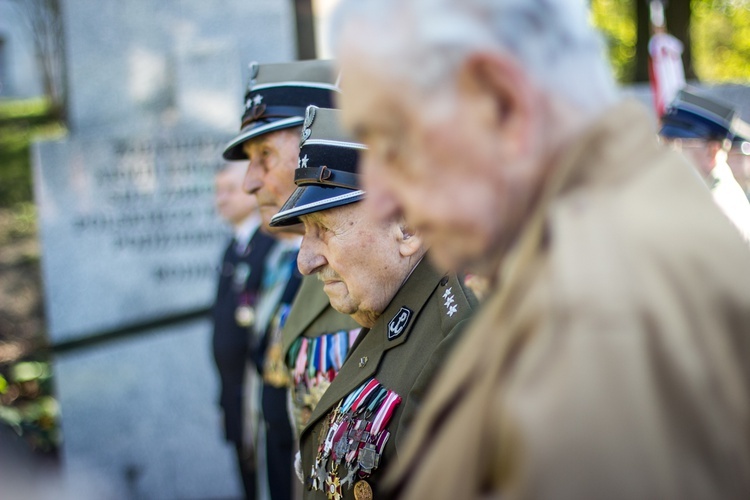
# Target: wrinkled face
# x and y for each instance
(232, 202)
(270, 170)
(357, 258)
(432, 159)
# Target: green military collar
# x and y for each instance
(301, 315)
(390, 330)
(394, 325)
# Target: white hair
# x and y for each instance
(425, 41)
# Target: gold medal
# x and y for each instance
(275, 372)
(323, 433)
(333, 487)
(362, 490)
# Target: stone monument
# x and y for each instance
(130, 239)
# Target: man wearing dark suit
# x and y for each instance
(233, 313)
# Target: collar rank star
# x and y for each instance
(450, 306)
(399, 322)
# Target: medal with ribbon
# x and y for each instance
(356, 436)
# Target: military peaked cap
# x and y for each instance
(691, 116)
(327, 171)
(277, 97)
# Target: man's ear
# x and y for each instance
(410, 242)
(501, 96)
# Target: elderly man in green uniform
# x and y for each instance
(273, 114)
(375, 272)
(611, 358)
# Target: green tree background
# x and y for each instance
(616, 20)
(718, 32)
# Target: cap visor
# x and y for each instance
(313, 198)
(233, 150)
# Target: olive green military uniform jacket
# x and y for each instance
(402, 351)
(613, 361)
(311, 316)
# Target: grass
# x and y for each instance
(11, 109)
(21, 122)
(26, 401)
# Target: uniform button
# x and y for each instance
(444, 281)
(362, 361)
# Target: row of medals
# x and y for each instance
(364, 462)
(308, 390)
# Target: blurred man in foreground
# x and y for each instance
(610, 361)
(374, 271)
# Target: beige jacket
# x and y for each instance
(614, 360)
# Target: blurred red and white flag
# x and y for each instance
(665, 69)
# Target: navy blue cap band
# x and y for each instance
(325, 176)
(281, 101)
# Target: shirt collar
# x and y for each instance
(246, 229)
